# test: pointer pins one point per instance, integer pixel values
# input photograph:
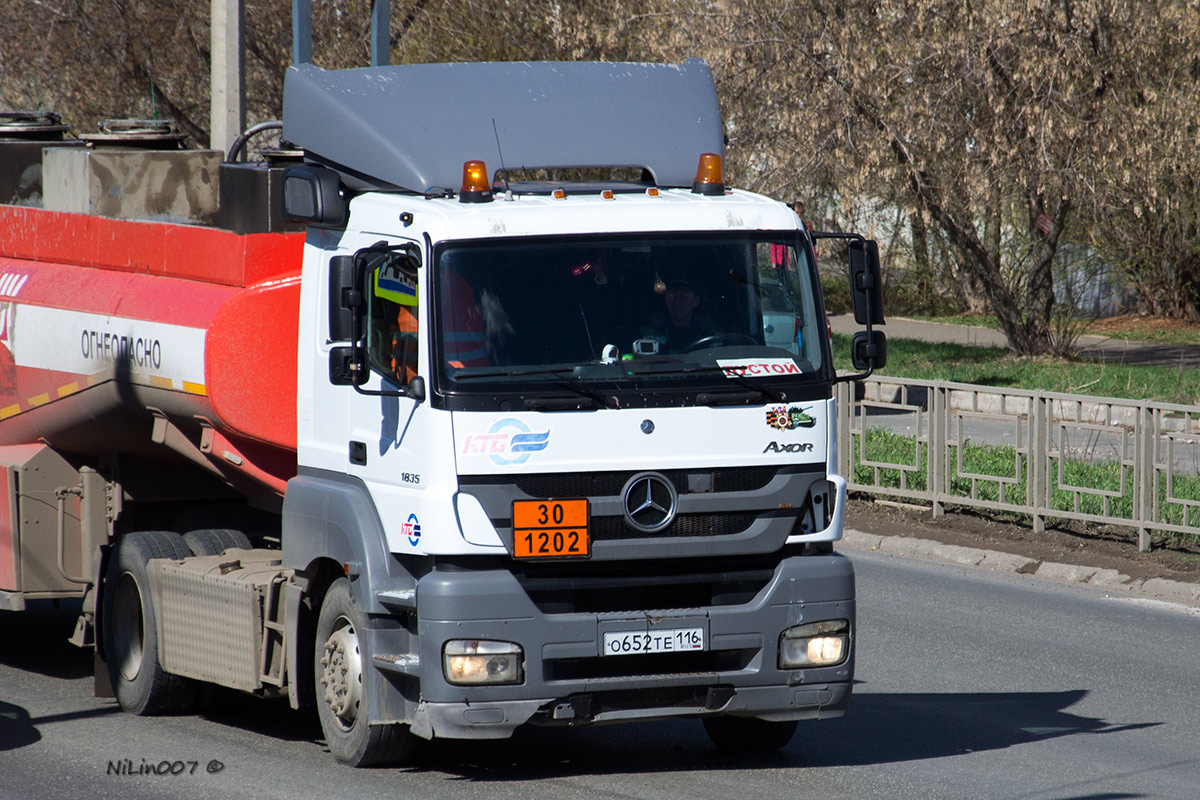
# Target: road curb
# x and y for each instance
(996, 561)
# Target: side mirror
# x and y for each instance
(380, 274)
(346, 366)
(345, 295)
(866, 283)
(314, 196)
(868, 350)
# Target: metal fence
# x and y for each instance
(1045, 455)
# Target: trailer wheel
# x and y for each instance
(215, 541)
(342, 691)
(747, 735)
(130, 634)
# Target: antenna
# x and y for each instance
(503, 169)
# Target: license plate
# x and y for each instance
(667, 640)
(551, 529)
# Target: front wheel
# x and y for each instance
(747, 735)
(342, 687)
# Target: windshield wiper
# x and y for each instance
(549, 404)
(730, 397)
(726, 398)
(508, 372)
(553, 375)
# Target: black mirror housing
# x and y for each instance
(868, 350)
(314, 196)
(346, 367)
(866, 282)
(345, 295)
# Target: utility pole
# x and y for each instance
(227, 114)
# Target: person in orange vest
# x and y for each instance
(464, 338)
(404, 345)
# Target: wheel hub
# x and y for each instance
(129, 627)
(341, 674)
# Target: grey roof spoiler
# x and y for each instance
(411, 127)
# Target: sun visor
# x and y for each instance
(412, 126)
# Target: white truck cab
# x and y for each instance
(584, 427)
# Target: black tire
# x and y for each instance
(341, 691)
(141, 685)
(215, 541)
(747, 735)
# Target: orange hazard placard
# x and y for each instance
(551, 529)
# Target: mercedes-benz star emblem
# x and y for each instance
(650, 502)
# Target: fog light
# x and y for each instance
(475, 661)
(817, 644)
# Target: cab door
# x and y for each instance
(399, 446)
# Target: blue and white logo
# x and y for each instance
(412, 529)
(509, 441)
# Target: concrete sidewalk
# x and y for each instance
(1093, 347)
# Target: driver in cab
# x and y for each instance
(681, 324)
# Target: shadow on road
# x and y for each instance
(879, 729)
(889, 728)
(16, 730)
(265, 716)
(36, 640)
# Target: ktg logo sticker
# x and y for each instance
(412, 529)
(507, 442)
(788, 419)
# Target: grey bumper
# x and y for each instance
(567, 681)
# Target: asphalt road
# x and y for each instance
(972, 685)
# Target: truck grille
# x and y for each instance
(599, 587)
(609, 484)
(732, 509)
(610, 528)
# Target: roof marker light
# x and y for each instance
(652, 191)
(475, 186)
(709, 179)
(607, 194)
(559, 194)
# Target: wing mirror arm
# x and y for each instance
(348, 277)
(868, 348)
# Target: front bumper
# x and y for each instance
(568, 682)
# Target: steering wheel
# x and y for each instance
(724, 338)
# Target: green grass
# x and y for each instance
(988, 464)
(995, 366)
(1131, 330)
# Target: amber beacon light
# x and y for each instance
(475, 186)
(708, 175)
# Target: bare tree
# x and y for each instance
(995, 128)
(1145, 210)
(992, 118)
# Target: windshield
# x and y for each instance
(611, 315)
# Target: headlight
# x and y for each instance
(475, 661)
(817, 644)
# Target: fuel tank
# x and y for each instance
(131, 336)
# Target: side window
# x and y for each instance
(392, 327)
(781, 311)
